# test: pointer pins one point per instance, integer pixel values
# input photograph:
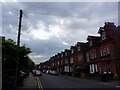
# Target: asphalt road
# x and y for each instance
(60, 81)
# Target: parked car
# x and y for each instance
(22, 74)
(44, 71)
(33, 72)
(48, 71)
(38, 73)
(54, 72)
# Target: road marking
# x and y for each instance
(39, 84)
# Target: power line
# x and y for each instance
(34, 6)
(9, 6)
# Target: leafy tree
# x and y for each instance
(9, 59)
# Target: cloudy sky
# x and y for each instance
(50, 27)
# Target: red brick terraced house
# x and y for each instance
(62, 61)
(73, 58)
(77, 57)
(81, 58)
(91, 53)
(101, 53)
(58, 61)
(67, 61)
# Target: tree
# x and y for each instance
(9, 59)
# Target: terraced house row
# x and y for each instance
(100, 54)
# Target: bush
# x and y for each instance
(82, 69)
(78, 69)
(54, 68)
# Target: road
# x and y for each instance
(60, 81)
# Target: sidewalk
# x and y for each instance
(30, 83)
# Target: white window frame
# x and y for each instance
(96, 67)
(92, 68)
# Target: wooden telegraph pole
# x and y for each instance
(18, 44)
(19, 29)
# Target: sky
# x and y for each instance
(49, 28)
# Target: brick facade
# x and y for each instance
(99, 53)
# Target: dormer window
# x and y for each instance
(78, 48)
(90, 42)
(66, 54)
(72, 51)
(62, 55)
(103, 36)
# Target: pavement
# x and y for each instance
(29, 83)
(33, 83)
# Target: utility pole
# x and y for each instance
(18, 44)
(19, 29)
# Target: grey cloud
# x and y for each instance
(80, 20)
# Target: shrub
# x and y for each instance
(81, 69)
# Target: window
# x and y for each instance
(53, 64)
(66, 61)
(87, 56)
(92, 68)
(96, 68)
(104, 51)
(103, 36)
(108, 50)
(71, 60)
(92, 54)
(78, 48)
(58, 63)
(101, 53)
(62, 55)
(72, 51)
(90, 42)
(80, 58)
(66, 54)
(61, 62)
(109, 68)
